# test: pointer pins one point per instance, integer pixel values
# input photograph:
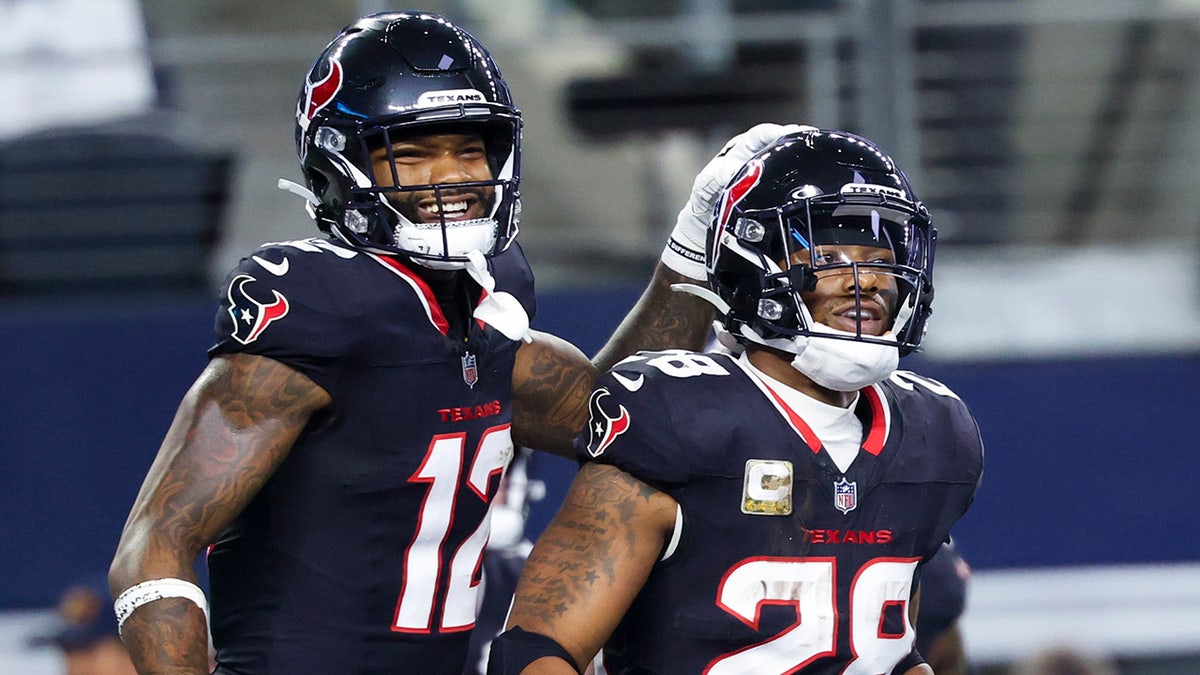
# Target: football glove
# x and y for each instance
(684, 252)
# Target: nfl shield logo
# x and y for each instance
(845, 495)
(470, 371)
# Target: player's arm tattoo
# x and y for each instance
(234, 427)
(553, 379)
(161, 637)
(592, 560)
(248, 411)
(661, 319)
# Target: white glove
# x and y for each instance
(684, 252)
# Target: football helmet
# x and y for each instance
(386, 77)
(775, 222)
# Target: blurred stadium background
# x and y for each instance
(1056, 141)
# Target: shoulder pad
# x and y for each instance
(286, 296)
(939, 409)
(646, 393)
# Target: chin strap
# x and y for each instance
(498, 309)
(312, 205)
(704, 294)
(845, 364)
(298, 190)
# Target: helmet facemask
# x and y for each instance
(862, 233)
(425, 222)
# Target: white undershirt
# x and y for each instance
(839, 428)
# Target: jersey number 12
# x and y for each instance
(424, 573)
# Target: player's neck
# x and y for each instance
(778, 365)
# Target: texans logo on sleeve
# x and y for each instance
(604, 428)
(251, 317)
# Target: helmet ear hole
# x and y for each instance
(317, 183)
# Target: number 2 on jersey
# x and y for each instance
(424, 573)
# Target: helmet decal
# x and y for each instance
(863, 188)
(730, 198)
(319, 94)
(738, 190)
(430, 99)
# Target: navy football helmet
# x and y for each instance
(815, 189)
(387, 77)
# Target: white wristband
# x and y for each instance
(682, 256)
(156, 589)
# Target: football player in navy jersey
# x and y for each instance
(338, 456)
(765, 510)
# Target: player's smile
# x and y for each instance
(461, 205)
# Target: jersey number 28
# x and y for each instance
(809, 585)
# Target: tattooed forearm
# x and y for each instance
(661, 319)
(595, 555)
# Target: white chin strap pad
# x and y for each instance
(498, 309)
(845, 364)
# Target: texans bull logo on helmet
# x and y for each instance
(319, 94)
(604, 428)
(752, 174)
(251, 317)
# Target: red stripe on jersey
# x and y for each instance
(797, 423)
(482, 296)
(425, 294)
(879, 422)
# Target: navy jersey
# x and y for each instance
(781, 562)
(361, 553)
